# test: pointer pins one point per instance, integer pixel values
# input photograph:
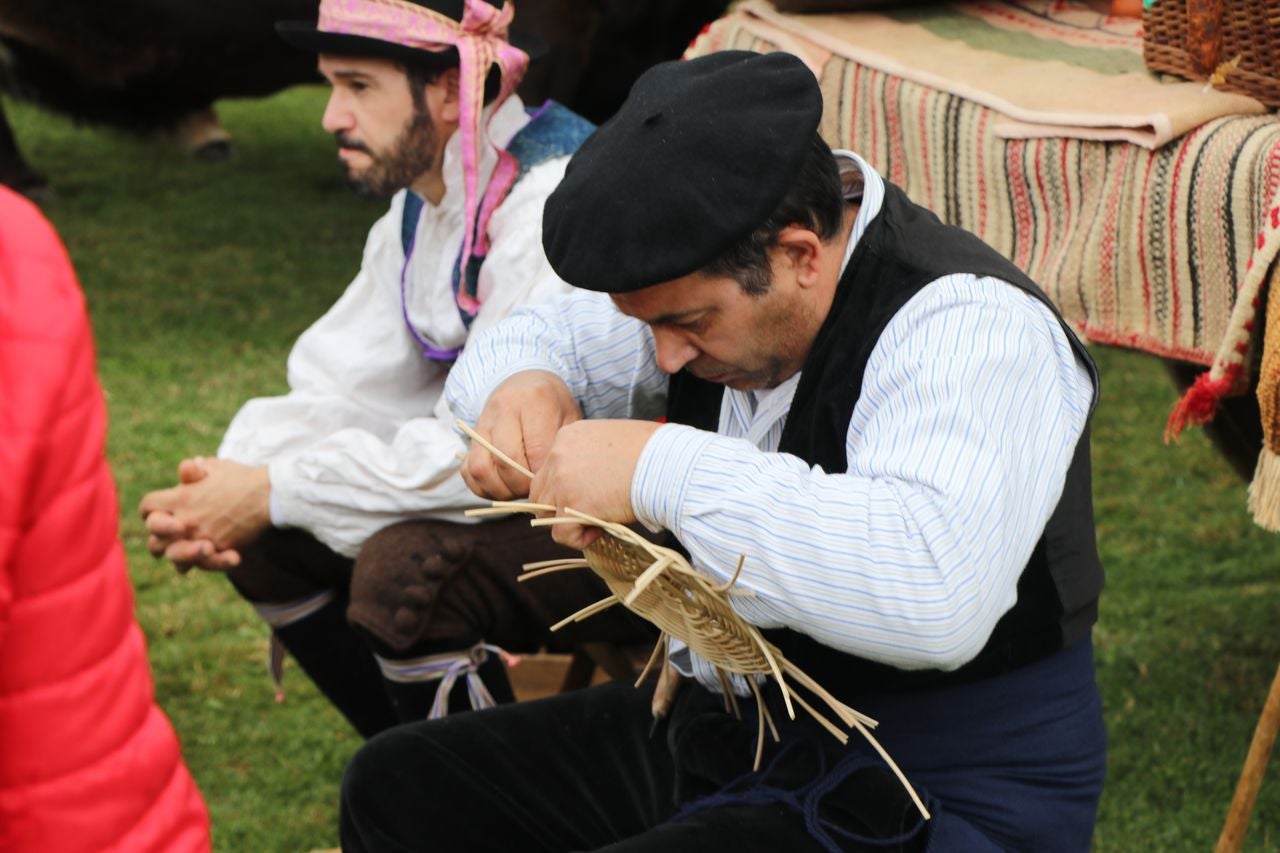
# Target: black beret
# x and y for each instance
(698, 157)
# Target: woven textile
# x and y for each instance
(1162, 250)
(1048, 67)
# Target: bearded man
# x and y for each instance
(337, 509)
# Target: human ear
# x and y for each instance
(450, 80)
(444, 99)
(802, 249)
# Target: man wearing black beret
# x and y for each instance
(884, 415)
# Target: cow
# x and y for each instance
(143, 65)
(158, 66)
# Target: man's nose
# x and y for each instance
(674, 350)
(336, 116)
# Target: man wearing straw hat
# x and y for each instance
(359, 459)
(887, 418)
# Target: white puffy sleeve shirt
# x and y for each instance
(972, 404)
(364, 439)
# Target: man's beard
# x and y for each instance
(412, 154)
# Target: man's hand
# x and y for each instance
(521, 418)
(664, 692)
(590, 468)
(218, 506)
(167, 536)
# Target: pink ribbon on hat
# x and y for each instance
(481, 40)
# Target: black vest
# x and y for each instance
(904, 248)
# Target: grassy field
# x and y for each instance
(200, 275)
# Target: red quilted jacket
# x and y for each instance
(88, 761)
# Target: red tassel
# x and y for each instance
(1200, 403)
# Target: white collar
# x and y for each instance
(860, 181)
(507, 121)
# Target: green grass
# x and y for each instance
(1186, 643)
(199, 276)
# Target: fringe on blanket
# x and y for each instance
(1264, 491)
(1200, 403)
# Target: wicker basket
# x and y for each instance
(1195, 38)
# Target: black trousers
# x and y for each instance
(1012, 762)
(589, 770)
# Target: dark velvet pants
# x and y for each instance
(1014, 762)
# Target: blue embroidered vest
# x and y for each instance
(553, 131)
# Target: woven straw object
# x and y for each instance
(661, 586)
(1235, 44)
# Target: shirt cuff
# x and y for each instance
(277, 505)
(468, 402)
(680, 657)
(662, 474)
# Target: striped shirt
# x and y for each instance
(958, 448)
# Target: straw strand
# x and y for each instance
(659, 584)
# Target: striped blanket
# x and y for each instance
(1167, 250)
(1046, 67)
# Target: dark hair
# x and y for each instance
(421, 74)
(815, 201)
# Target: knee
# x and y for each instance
(368, 766)
(413, 542)
(398, 578)
(365, 793)
(269, 567)
(258, 579)
(423, 785)
(391, 791)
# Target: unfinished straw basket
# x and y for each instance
(1233, 43)
(660, 585)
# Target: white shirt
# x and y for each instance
(363, 438)
(972, 403)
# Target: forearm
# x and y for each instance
(350, 485)
(873, 567)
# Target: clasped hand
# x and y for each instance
(586, 465)
(217, 506)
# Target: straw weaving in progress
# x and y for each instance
(660, 585)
